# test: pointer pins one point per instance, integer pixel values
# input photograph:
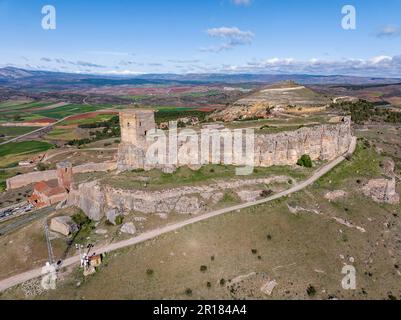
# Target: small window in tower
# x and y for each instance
(140, 124)
(128, 124)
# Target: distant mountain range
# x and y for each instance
(20, 77)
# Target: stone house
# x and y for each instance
(48, 193)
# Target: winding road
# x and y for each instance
(32, 274)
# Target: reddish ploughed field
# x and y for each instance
(90, 115)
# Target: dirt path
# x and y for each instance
(48, 157)
(21, 278)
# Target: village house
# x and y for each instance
(48, 193)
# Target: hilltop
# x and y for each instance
(276, 97)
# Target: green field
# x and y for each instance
(26, 111)
(62, 134)
(4, 175)
(9, 110)
(25, 147)
(15, 131)
(69, 110)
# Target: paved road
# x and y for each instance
(15, 223)
(49, 126)
(33, 132)
(21, 278)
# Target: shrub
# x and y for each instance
(266, 193)
(254, 251)
(311, 291)
(119, 220)
(269, 237)
(80, 219)
(203, 268)
(222, 282)
(208, 284)
(305, 161)
(42, 166)
(188, 292)
(150, 272)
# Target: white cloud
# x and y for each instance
(380, 59)
(122, 72)
(381, 66)
(241, 2)
(233, 37)
(388, 32)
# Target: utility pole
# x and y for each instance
(49, 244)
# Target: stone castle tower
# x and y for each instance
(135, 124)
(64, 175)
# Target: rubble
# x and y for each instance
(334, 195)
(382, 191)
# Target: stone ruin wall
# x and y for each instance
(34, 177)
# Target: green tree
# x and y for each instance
(305, 161)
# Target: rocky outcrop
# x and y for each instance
(111, 215)
(96, 199)
(382, 191)
(334, 195)
(321, 142)
(90, 198)
(324, 142)
(63, 225)
(128, 228)
(279, 96)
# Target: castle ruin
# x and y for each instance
(135, 124)
(321, 142)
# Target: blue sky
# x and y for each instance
(158, 36)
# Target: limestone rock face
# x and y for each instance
(99, 201)
(111, 215)
(322, 142)
(90, 198)
(128, 228)
(63, 225)
(188, 205)
(382, 191)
